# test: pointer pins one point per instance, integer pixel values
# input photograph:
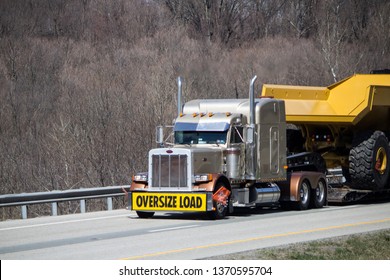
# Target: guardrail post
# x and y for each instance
(82, 206)
(109, 203)
(54, 208)
(24, 211)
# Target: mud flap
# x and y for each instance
(221, 196)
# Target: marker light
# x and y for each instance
(203, 178)
(140, 177)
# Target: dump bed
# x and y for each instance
(347, 102)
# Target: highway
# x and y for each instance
(120, 234)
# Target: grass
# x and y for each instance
(368, 246)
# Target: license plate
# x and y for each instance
(168, 201)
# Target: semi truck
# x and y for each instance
(295, 147)
(227, 153)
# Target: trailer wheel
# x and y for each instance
(220, 209)
(304, 196)
(145, 215)
(369, 162)
(318, 195)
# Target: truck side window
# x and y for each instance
(236, 135)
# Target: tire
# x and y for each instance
(319, 162)
(304, 196)
(318, 195)
(145, 215)
(369, 163)
(220, 209)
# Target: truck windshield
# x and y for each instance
(200, 137)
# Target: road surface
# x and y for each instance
(120, 234)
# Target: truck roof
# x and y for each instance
(232, 106)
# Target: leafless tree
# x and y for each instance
(84, 83)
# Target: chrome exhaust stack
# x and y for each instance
(179, 95)
(250, 142)
(252, 101)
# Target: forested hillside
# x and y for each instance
(83, 83)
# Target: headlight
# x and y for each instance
(140, 177)
(203, 178)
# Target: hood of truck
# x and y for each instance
(174, 169)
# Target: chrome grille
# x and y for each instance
(169, 171)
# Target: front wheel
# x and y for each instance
(221, 199)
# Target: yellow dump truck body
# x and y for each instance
(346, 102)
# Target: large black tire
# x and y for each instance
(304, 193)
(220, 209)
(369, 162)
(145, 215)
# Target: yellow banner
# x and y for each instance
(148, 201)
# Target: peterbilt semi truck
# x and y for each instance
(227, 153)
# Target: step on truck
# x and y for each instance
(348, 125)
(226, 153)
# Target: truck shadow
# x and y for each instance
(238, 212)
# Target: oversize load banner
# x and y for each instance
(149, 201)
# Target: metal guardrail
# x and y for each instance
(54, 197)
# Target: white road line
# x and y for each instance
(172, 228)
(64, 222)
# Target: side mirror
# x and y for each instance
(160, 135)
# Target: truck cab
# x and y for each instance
(223, 153)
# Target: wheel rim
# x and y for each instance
(220, 207)
(381, 161)
(304, 192)
(320, 191)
